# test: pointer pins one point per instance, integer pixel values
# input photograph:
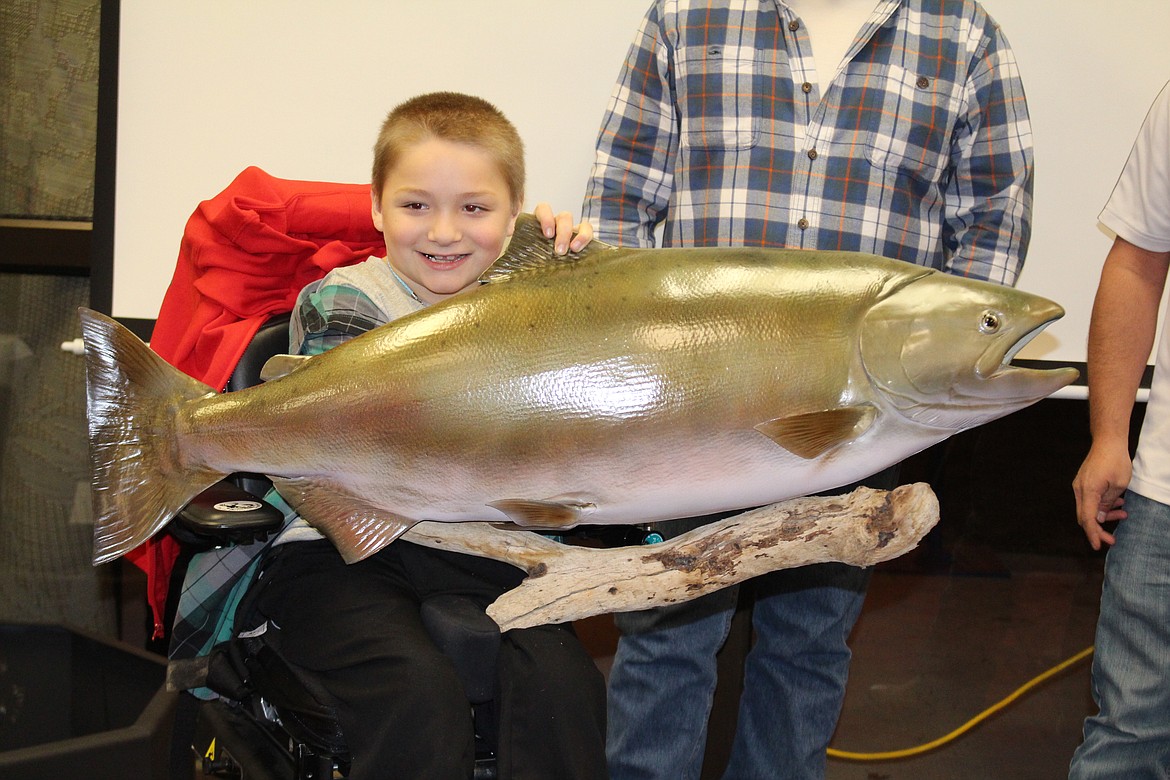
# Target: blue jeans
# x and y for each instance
(664, 674)
(1130, 735)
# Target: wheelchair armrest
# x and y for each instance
(227, 514)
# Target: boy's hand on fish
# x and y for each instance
(567, 237)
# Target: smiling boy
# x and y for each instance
(448, 183)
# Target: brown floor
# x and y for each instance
(933, 650)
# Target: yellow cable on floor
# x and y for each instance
(892, 754)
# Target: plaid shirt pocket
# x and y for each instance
(909, 119)
(715, 93)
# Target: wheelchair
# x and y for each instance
(245, 254)
(272, 720)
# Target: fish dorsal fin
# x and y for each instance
(529, 513)
(812, 434)
(357, 528)
(281, 365)
(529, 250)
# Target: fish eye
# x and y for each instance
(990, 321)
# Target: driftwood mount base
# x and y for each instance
(567, 582)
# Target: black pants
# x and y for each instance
(401, 705)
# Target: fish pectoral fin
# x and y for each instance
(812, 434)
(535, 514)
(281, 365)
(529, 250)
(357, 528)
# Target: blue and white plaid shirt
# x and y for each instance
(919, 149)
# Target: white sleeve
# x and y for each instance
(1139, 208)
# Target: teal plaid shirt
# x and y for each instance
(919, 149)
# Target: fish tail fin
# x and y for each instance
(138, 482)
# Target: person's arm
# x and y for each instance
(1121, 335)
(988, 201)
(631, 180)
(328, 315)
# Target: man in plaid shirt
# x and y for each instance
(910, 140)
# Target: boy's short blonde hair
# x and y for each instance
(455, 117)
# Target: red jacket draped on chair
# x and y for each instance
(244, 256)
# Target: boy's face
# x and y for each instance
(445, 211)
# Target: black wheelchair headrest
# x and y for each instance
(271, 339)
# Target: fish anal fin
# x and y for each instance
(529, 250)
(812, 434)
(541, 514)
(357, 528)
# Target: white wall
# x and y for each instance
(299, 88)
(1091, 71)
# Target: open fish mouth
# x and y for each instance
(1003, 381)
